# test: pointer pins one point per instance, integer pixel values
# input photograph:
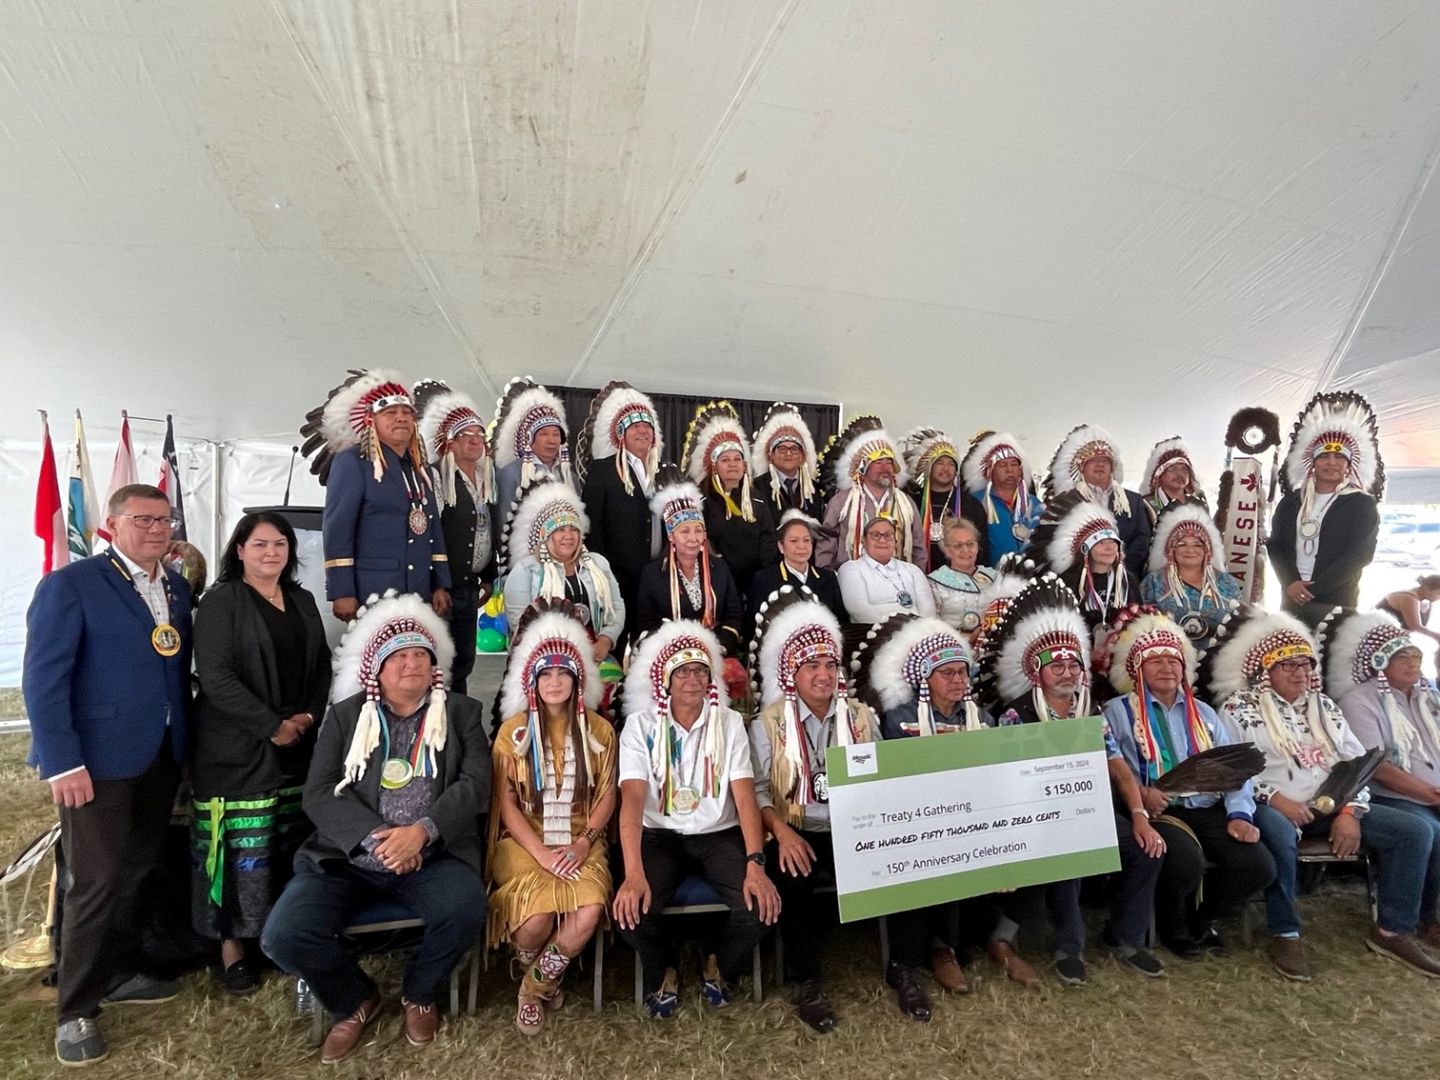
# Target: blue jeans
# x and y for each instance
(1430, 815)
(1399, 843)
(301, 934)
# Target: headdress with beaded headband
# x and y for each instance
(846, 458)
(1137, 635)
(615, 409)
(1341, 423)
(677, 502)
(445, 414)
(985, 451)
(792, 628)
(653, 661)
(783, 423)
(1070, 527)
(541, 509)
(550, 636)
(1249, 642)
(893, 665)
(1166, 454)
(1041, 624)
(715, 430)
(1355, 648)
(382, 627)
(923, 447)
(523, 409)
(347, 418)
(1188, 519)
(1083, 444)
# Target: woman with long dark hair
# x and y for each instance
(264, 672)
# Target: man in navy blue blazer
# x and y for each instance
(107, 689)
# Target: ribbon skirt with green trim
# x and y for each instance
(240, 854)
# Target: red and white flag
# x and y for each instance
(121, 474)
(49, 513)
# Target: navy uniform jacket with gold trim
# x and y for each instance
(368, 543)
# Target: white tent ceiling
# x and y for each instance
(1012, 214)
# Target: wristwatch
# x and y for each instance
(757, 857)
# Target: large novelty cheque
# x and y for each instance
(921, 821)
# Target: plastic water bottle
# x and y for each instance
(304, 999)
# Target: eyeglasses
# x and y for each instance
(1065, 667)
(691, 672)
(1291, 666)
(149, 521)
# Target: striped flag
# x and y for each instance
(49, 518)
(121, 473)
(84, 517)
(170, 479)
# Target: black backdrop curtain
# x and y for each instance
(676, 411)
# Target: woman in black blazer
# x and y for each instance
(264, 672)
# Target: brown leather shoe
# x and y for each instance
(1288, 957)
(1430, 936)
(421, 1023)
(1403, 947)
(947, 971)
(1017, 969)
(344, 1037)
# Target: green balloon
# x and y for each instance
(490, 641)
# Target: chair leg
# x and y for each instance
(779, 958)
(884, 947)
(757, 991)
(480, 957)
(317, 1021)
(455, 984)
(639, 982)
(599, 976)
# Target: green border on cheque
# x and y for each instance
(900, 758)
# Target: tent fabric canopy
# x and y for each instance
(1018, 215)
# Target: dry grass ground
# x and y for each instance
(1231, 1018)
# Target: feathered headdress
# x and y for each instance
(1140, 634)
(1069, 528)
(1186, 519)
(1355, 648)
(674, 644)
(1164, 455)
(894, 663)
(541, 507)
(1339, 422)
(783, 423)
(845, 458)
(445, 413)
(715, 430)
(1248, 643)
(985, 450)
(613, 411)
(550, 636)
(1040, 625)
(1081, 445)
(864, 441)
(923, 447)
(792, 628)
(523, 409)
(382, 627)
(347, 418)
(677, 501)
